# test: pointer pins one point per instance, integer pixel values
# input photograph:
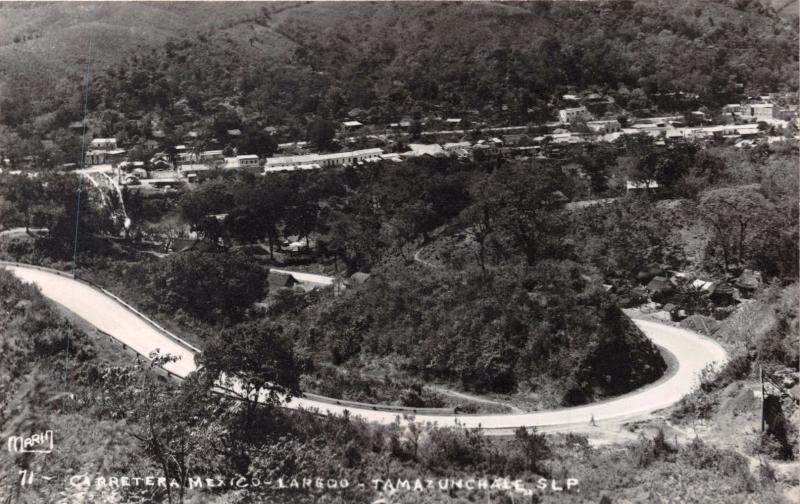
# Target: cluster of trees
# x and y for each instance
(358, 215)
(522, 60)
(679, 167)
(190, 289)
(51, 202)
(748, 230)
(626, 237)
(541, 328)
(251, 209)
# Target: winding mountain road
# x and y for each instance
(691, 351)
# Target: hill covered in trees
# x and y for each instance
(287, 65)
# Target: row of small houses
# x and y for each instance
(761, 109)
(661, 290)
(193, 165)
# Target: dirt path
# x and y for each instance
(422, 261)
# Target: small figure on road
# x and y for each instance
(592, 421)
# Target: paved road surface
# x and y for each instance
(691, 351)
(306, 277)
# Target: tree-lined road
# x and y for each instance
(691, 351)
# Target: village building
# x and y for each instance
(194, 172)
(461, 149)
(292, 146)
(632, 185)
(214, 157)
(315, 161)
(486, 149)
(759, 111)
(185, 158)
(392, 156)
(456, 146)
(604, 126)
(96, 157)
(139, 172)
(516, 139)
(160, 162)
(424, 150)
(242, 161)
(351, 125)
(103, 144)
(569, 115)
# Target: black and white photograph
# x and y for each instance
(400, 252)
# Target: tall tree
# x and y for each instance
(533, 213)
(254, 361)
(732, 213)
(321, 133)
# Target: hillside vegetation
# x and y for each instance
(140, 426)
(288, 65)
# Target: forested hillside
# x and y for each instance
(289, 64)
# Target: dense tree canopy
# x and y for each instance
(392, 63)
(209, 286)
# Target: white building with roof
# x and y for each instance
(212, 157)
(568, 115)
(631, 185)
(456, 146)
(94, 157)
(425, 150)
(242, 161)
(103, 144)
(193, 172)
(759, 110)
(315, 161)
(604, 126)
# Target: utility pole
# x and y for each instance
(761, 380)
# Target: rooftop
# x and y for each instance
(315, 158)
